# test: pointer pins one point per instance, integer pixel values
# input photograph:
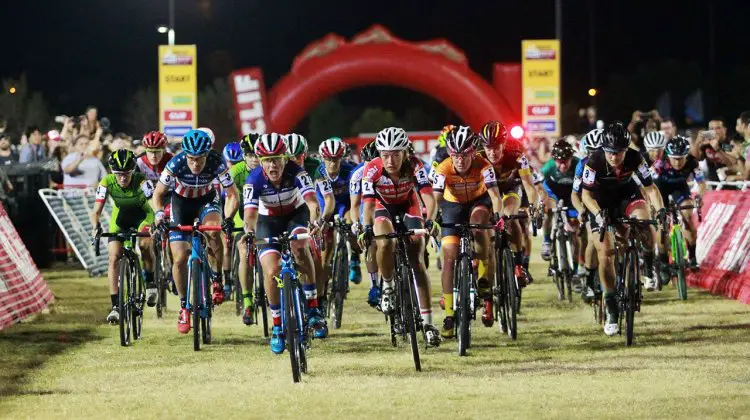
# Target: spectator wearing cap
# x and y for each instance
(33, 151)
(80, 168)
(7, 155)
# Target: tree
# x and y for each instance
(216, 111)
(141, 113)
(375, 119)
(328, 119)
(23, 108)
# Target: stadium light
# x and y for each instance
(592, 92)
(516, 132)
(162, 29)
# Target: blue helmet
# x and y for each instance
(196, 143)
(233, 152)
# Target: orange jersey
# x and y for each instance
(467, 187)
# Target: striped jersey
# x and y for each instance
(178, 176)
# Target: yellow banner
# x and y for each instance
(540, 66)
(178, 89)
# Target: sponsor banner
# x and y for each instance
(540, 80)
(23, 291)
(178, 89)
(250, 101)
(723, 246)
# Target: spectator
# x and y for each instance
(89, 122)
(80, 168)
(121, 141)
(743, 131)
(669, 127)
(5, 187)
(33, 151)
(712, 147)
(586, 119)
(7, 155)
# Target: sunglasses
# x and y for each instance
(272, 159)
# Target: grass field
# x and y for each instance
(690, 360)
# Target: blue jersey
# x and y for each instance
(355, 181)
(579, 175)
(339, 185)
(179, 178)
(259, 193)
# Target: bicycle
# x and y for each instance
(260, 301)
(162, 272)
(562, 255)
(677, 245)
(506, 291)
(236, 289)
(338, 285)
(199, 301)
(405, 319)
(131, 296)
(628, 286)
(293, 316)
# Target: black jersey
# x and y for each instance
(601, 178)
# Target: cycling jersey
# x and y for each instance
(177, 175)
(464, 188)
(438, 155)
(259, 193)
(376, 183)
(579, 175)
(611, 185)
(152, 172)
(355, 181)
(130, 208)
(239, 173)
(559, 185)
(674, 182)
(339, 186)
(512, 165)
(311, 165)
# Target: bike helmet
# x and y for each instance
(369, 152)
(460, 140)
(493, 134)
(233, 152)
(296, 144)
(591, 141)
(392, 138)
(154, 140)
(270, 145)
(443, 133)
(677, 147)
(122, 160)
(248, 143)
(196, 143)
(210, 134)
(333, 148)
(655, 140)
(562, 150)
(615, 138)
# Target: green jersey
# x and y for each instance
(311, 166)
(559, 184)
(239, 173)
(130, 207)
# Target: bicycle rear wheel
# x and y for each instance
(340, 280)
(290, 326)
(461, 280)
(499, 289)
(511, 302)
(631, 285)
(236, 283)
(137, 300)
(408, 314)
(195, 289)
(123, 283)
(304, 338)
(260, 298)
(678, 252)
(161, 295)
(208, 312)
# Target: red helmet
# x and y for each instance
(154, 140)
(270, 145)
(493, 134)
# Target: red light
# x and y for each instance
(516, 132)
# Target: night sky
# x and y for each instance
(80, 52)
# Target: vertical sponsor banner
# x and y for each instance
(540, 64)
(178, 89)
(506, 78)
(250, 101)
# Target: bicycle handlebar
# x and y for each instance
(197, 228)
(278, 240)
(123, 235)
(395, 235)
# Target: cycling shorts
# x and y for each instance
(130, 218)
(461, 212)
(275, 226)
(186, 210)
(572, 213)
(410, 212)
(617, 208)
(678, 194)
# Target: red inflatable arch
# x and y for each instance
(375, 57)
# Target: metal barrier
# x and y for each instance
(71, 209)
(741, 185)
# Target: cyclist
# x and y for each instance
(152, 163)
(510, 166)
(336, 173)
(130, 193)
(591, 142)
(278, 198)
(233, 155)
(609, 183)
(559, 174)
(440, 152)
(190, 174)
(671, 174)
(368, 153)
(388, 188)
(654, 143)
(465, 188)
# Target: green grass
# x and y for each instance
(690, 360)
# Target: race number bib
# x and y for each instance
(148, 189)
(589, 175)
(226, 180)
(421, 175)
(325, 187)
(167, 179)
(489, 176)
(643, 171)
(247, 192)
(101, 193)
(305, 180)
(439, 182)
(367, 188)
(354, 186)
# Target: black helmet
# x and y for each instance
(615, 138)
(369, 152)
(460, 140)
(677, 146)
(562, 150)
(122, 160)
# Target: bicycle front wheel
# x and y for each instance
(291, 326)
(512, 296)
(631, 290)
(123, 282)
(236, 282)
(500, 292)
(409, 312)
(340, 280)
(195, 288)
(461, 278)
(161, 295)
(260, 298)
(678, 252)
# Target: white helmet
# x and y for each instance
(210, 134)
(655, 140)
(591, 141)
(332, 148)
(392, 138)
(272, 144)
(296, 144)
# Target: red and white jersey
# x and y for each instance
(376, 183)
(152, 172)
